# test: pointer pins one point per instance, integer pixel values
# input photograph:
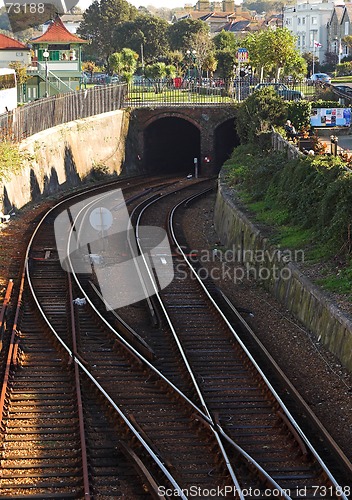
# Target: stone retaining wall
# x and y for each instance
(280, 275)
(64, 156)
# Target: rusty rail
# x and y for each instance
(13, 349)
(82, 433)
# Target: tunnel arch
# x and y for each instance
(225, 140)
(170, 145)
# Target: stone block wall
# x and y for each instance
(64, 156)
(281, 276)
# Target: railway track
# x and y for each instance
(145, 412)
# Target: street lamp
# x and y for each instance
(191, 54)
(46, 56)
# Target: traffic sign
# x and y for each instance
(242, 54)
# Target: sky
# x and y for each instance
(169, 4)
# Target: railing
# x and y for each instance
(207, 91)
(52, 79)
(62, 108)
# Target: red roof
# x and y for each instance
(7, 43)
(57, 33)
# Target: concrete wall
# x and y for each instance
(282, 277)
(63, 157)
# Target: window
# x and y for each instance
(298, 20)
(347, 25)
(303, 41)
(303, 20)
(314, 20)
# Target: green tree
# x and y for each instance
(226, 60)
(271, 50)
(296, 66)
(124, 63)
(210, 64)
(203, 45)
(180, 33)
(175, 58)
(258, 113)
(226, 40)
(159, 73)
(21, 76)
(145, 33)
(99, 25)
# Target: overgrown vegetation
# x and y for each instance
(312, 195)
(11, 159)
(308, 201)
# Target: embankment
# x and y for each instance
(279, 274)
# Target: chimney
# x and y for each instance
(228, 6)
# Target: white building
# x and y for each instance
(13, 51)
(309, 22)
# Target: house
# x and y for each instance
(12, 51)
(345, 30)
(57, 60)
(308, 21)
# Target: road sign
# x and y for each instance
(242, 55)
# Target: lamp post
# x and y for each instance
(46, 56)
(191, 55)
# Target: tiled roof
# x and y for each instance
(236, 26)
(57, 33)
(7, 43)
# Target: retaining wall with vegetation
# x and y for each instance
(282, 276)
(64, 157)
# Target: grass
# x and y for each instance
(174, 95)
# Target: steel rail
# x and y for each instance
(81, 365)
(122, 415)
(82, 433)
(198, 410)
(12, 350)
(255, 364)
(216, 427)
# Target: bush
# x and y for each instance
(11, 159)
(258, 113)
(311, 193)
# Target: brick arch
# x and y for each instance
(171, 114)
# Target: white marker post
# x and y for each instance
(195, 161)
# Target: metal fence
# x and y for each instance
(51, 111)
(208, 91)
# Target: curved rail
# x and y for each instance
(255, 364)
(79, 362)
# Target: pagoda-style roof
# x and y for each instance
(7, 43)
(58, 33)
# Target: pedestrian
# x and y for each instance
(290, 130)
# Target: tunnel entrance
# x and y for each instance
(226, 139)
(170, 146)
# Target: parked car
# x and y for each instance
(282, 90)
(319, 78)
(344, 88)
